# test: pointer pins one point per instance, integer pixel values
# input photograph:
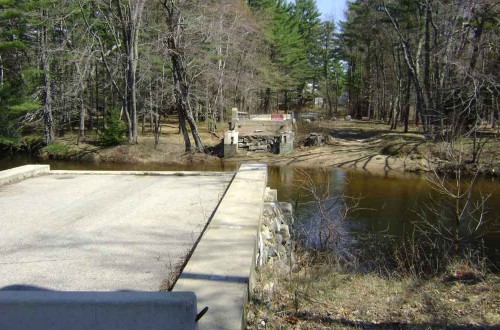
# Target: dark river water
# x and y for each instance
(386, 204)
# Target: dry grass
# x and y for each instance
(322, 298)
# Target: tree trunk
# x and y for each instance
(81, 128)
(407, 101)
(384, 91)
(267, 101)
(47, 92)
(1, 71)
(329, 98)
(495, 113)
(336, 96)
(220, 83)
(181, 84)
(399, 90)
(130, 25)
(411, 63)
(427, 53)
(96, 99)
(132, 95)
(183, 130)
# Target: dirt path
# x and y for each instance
(373, 147)
(356, 145)
(346, 154)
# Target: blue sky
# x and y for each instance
(332, 8)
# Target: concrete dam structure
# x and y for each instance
(101, 246)
(259, 134)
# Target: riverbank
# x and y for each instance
(374, 148)
(367, 146)
(168, 151)
(323, 297)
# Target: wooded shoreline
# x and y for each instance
(359, 145)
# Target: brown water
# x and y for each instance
(388, 204)
(19, 160)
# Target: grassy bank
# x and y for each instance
(322, 296)
(169, 150)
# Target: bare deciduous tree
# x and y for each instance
(175, 25)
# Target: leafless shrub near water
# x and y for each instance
(325, 234)
(446, 233)
(449, 230)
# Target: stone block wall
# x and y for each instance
(259, 143)
(274, 241)
(276, 144)
(286, 142)
(230, 143)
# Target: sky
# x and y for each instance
(332, 8)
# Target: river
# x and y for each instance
(387, 204)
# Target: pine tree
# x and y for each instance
(18, 79)
(307, 15)
(328, 65)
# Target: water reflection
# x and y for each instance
(388, 204)
(19, 160)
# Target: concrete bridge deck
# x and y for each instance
(107, 231)
(110, 231)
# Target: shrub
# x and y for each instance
(55, 148)
(114, 133)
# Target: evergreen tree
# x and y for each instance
(330, 70)
(115, 130)
(18, 78)
(291, 30)
(307, 16)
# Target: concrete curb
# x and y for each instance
(22, 172)
(220, 268)
(146, 173)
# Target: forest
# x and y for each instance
(68, 65)
(438, 60)
(108, 66)
(393, 86)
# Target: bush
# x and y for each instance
(114, 133)
(8, 144)
(55, 148)
(9, 141)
